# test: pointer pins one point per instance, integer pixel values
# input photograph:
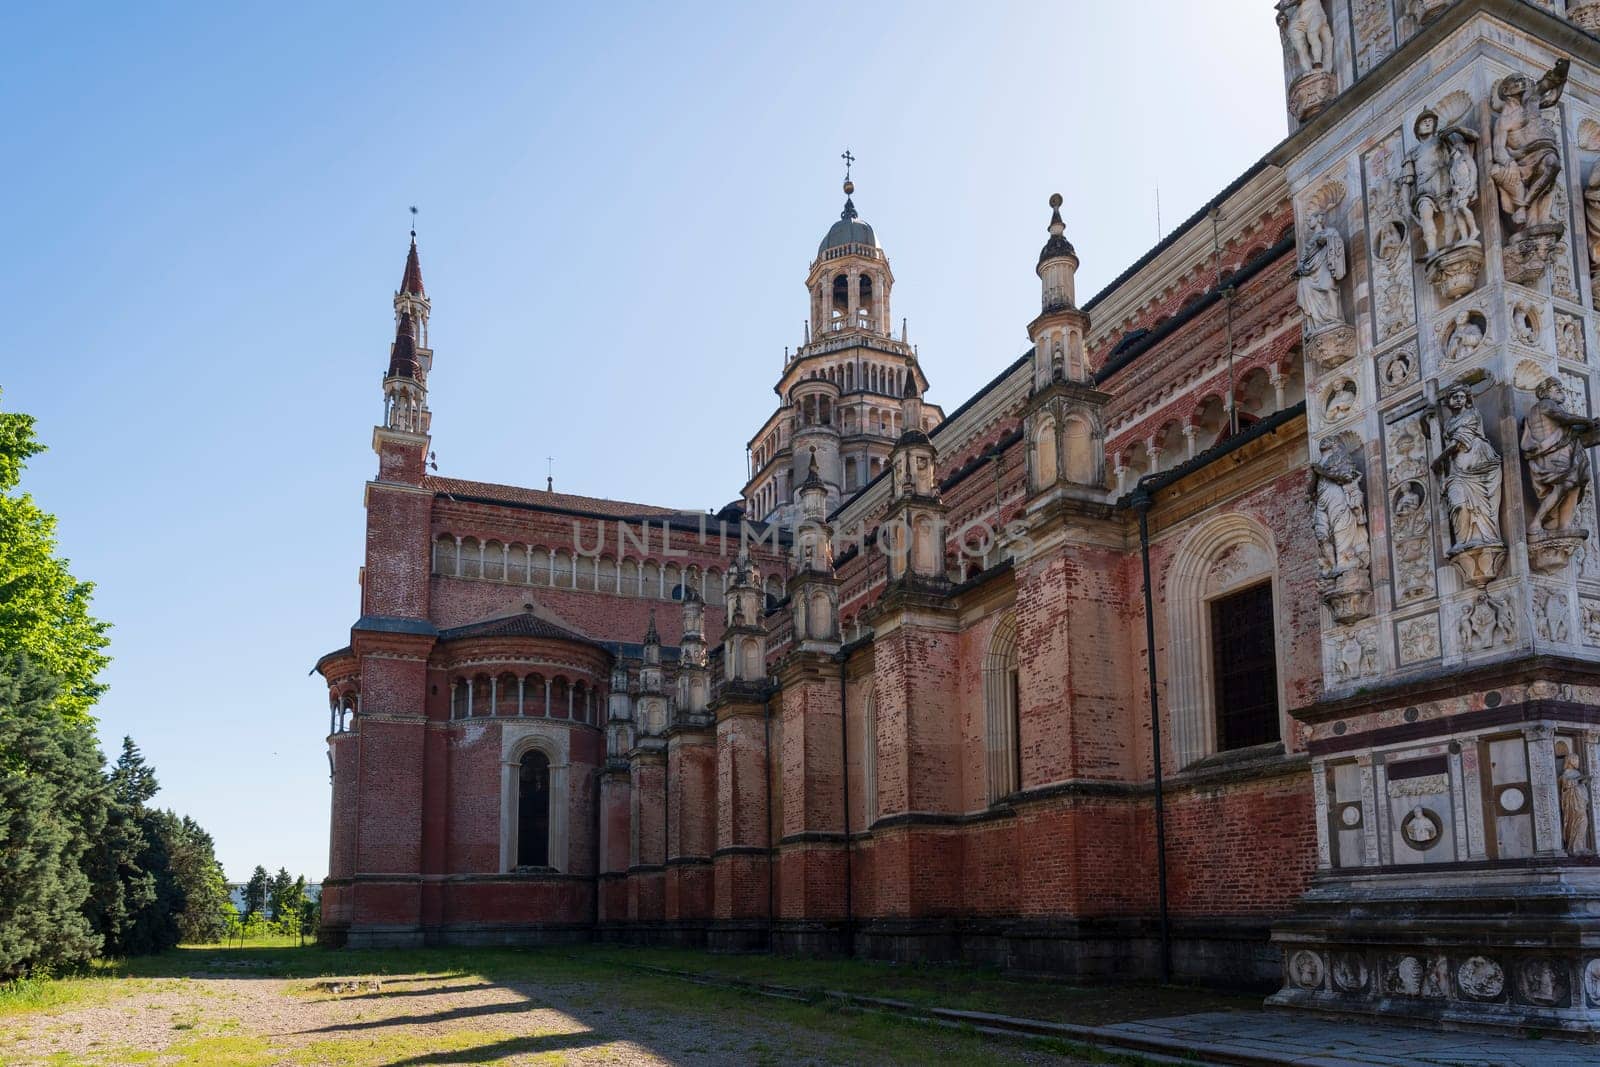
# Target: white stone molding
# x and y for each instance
(1000, 710)
(1221, 555)
(516, 740)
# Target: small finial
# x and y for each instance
(849, 186)
(1057, 227)
(413, 224)
(549, 474)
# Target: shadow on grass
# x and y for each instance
(476, 1011)
(498, 1051)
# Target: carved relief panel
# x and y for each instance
(1411, 541)
(1394, 308)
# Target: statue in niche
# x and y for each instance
(1319, 271)
(1304, 24)
(1339, 520)
(1440, 177)
(1439, 182)
(1469, 467)
(1525, 164)
(1525, 161)
(1465, 337)
(1574, 790)
(1555, 446)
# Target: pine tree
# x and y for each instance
(255, 891)
(279, 901)
(52, 805)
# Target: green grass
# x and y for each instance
(593, 985)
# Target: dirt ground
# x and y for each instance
(238, 1013)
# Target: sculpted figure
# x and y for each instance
(1574, 804)
(1440, 179)
(1525, 160)
(1321, 267)
(1470, 467)
(1555, 444)
(1591, 216)
(1339, 515)
(1464, 339)
(1304, 24)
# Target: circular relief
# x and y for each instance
(1350, 815)
(1421, 828)
(1492, 698)
(1481, 978)
(1513, 799)
(1350, 972)
(1591, 981)
(1339, 728)
(1411, 714)
(1305, 969)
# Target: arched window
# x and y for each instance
(1223, 694)
(444, 555)
(1004, 755)
(533, 810)
(517, 565)
(494, 560)
(471, 558)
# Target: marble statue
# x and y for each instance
(1525, 160)
(1319, 271)
(1440, 179)
(1574, 789)
(1339, 517)
(1591, 217)
(1471, 487)
(1304, 25)
(1555, 445)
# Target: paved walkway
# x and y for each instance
(1303, 1040)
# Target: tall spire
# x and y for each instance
(403, 362)
(411, 283)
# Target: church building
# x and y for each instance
(1243, 629)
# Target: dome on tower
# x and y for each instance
(850, 229)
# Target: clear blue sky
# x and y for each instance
(205, 211)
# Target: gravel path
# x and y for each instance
(235, 1020)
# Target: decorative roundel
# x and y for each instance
(1421, 828)
(1350, 815)
(1513, 799)
(1305, 969)
(1481, 978)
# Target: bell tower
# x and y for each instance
(840, 390)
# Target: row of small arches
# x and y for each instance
(507, 695)
(1258, 396)
(518, 564)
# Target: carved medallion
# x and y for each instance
(1305, 969)
(1481, 978)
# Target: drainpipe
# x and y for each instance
(772, 846)
(844, 775)
(1141, 500)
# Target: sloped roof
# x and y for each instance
(522, 624)
(411, 282)
(512, 494)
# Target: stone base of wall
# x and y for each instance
(510, 934)
(1223, 951)
(383, 937)
(1499, 949)
(739, 935)
(687, 934)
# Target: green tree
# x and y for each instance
(196, 875)
(255, 891)
(52, 805)
(44, 610)
(280, 901)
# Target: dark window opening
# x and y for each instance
(1245, 668)
(533, 811)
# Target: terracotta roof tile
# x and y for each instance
(403, 361)
(523, 624)
(511, 494)
(412, 281)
